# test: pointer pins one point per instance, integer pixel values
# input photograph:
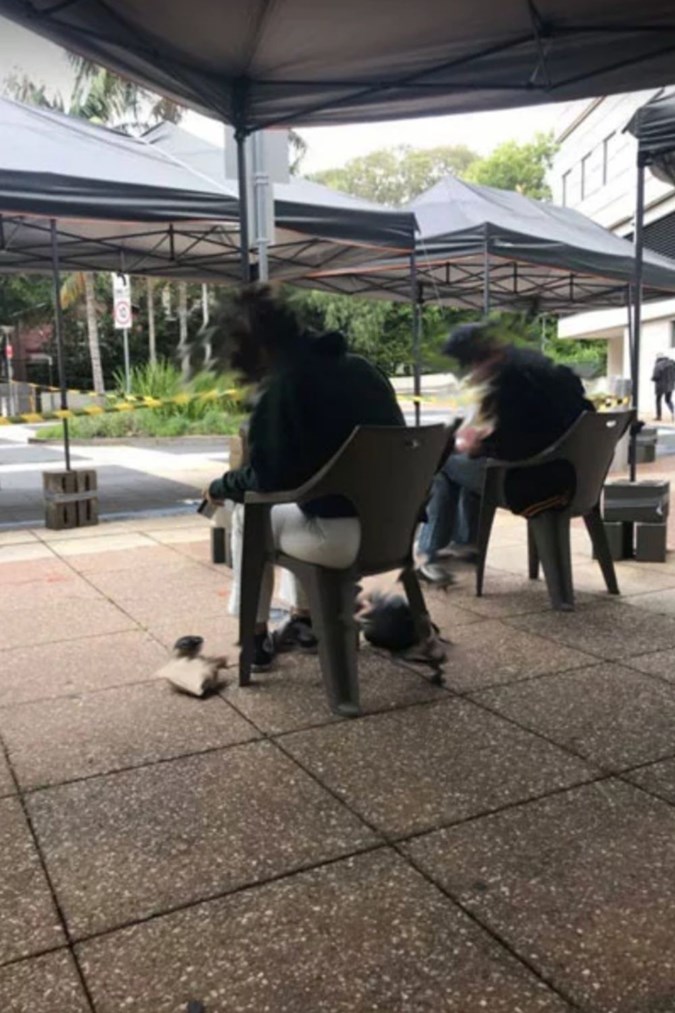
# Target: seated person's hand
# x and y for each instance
(206, 494)
(468, 440)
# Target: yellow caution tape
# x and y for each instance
(131, 405)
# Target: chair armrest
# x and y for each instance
(271, 498)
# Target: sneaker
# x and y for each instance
(433, 573)
(295, 633)
(263, 652)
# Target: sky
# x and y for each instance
(43, 62)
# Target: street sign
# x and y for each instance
(121, 301)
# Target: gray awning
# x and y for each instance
(654, 127)
(124, 204)
(542, 258)
(256, 63)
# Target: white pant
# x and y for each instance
(332, 542)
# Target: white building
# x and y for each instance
(595, 172)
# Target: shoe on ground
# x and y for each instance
(434, 573)
(263, 652)
(469, 553)
(295, 634)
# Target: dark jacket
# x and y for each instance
(532, 402)
(663, 376)
(309, 407)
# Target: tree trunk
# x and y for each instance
(152, 346)
(92, 333)
(183, 348)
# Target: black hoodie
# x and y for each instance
(311, 404)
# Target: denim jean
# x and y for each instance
(452, 510)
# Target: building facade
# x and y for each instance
(595, 172)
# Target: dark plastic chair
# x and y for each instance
(589, 445)
(385, 472)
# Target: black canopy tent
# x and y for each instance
(654, 127)
(480, 248)
(81, 197)
(257, 64)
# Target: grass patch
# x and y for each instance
(146, 422)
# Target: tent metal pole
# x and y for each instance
(240, 137)
(416, 299)
(58, 328)
(637, 307)
(486, 277)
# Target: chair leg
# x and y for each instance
(488, 509)
(598, 535)
(254, 559)
(418, 606)
(552, 535)
(532, 554)
(332, 597)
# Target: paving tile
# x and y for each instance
(24, 552)
(6, 780)
(661, 601)
(507, 594)
(612, 631)
(632, 580)
(412, 770)
(578, 884)
(292, 696)
(101, 542)
(493, 653)
(177, 604)
(17, 537)
(140, 842)
(126, 559)
(150, 579)
(36, 594)
(78, 666)
(658, 778)
(220, 631)
(658, 663)
(60, 740)
(67, 619)
(192, 535)
(612, 716)
(29, 921)
(363, 935)
(47, 984)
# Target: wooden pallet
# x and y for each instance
(71, 498)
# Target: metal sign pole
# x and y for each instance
(127, 371)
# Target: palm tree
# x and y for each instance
(73, 289)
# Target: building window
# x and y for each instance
(606, 155)
(566, 187)
(585, 179)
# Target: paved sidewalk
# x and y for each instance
(503, 844)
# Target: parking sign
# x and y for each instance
(121, 301)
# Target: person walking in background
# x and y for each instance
(663, 379)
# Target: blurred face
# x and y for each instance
(249, 357)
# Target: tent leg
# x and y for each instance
(244, 217)
(637, 308)
(486, 279)
(58, 328)
(416, 303)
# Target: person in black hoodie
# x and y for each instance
(312, 395)
(528, 402)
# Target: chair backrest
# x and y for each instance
(589, 445)
(386, 473)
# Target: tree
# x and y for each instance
(514, 166)
(395, 175)
(298, 149)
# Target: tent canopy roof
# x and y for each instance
(257, 64)
(654, 127)
(541, 256)
(123, 203)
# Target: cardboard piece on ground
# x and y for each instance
(196, 676)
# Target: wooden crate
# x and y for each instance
(71, 498)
